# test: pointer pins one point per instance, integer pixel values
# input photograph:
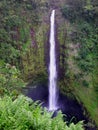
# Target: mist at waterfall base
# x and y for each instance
(71, 108)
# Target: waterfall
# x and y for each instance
(52, 66)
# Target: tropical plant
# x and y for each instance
(24, 114)
(9, 78)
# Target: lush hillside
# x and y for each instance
(24, 47)
(81, 49)
(22, 38)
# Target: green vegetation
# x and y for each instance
(82, 74)
(24, 114)
(10, 80)
(23, 34)
(21, 43)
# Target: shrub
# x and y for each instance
(24, 114)
(9, 78)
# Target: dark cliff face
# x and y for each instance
(59, 22)
(38, 56)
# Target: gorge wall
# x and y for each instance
(38, 54)
(24, 43)
(72, 80)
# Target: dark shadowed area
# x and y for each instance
(71, 108)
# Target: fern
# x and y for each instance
(24, 114)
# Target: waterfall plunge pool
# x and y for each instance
(71, 108)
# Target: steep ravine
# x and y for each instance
(38, 56)
(68, 70)
(35, 60)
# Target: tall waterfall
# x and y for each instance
(52, 66)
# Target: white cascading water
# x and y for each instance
(52, 67)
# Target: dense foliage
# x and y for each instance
(14, 39)
(24, 114)
(83, 76)
(81, 9)
(10, 80)
(14, 33)
(19, 47)
(22, 57)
